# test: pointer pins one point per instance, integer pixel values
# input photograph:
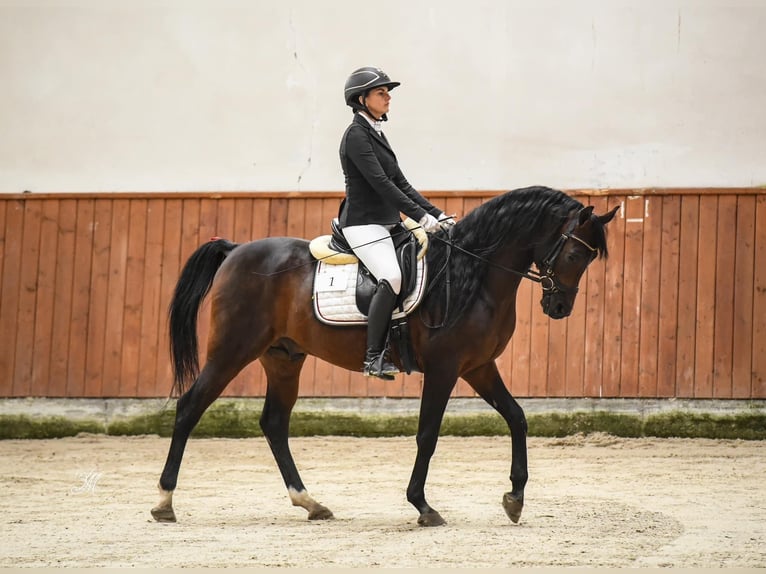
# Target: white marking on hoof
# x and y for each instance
(166, 498)
(301, 499)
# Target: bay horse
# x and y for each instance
(261, 308)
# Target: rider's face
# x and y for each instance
(377, 101)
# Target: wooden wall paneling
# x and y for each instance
(706, 284)
(649, 312)
(296, 219)
(520, 347)
(668, 300)
(631, 297)
(135, 278)
(151, 328)
(208, 225)
(593, 329)
(723, 336)
(687, 296)
(171, 266)
(22, 384)
(99, 298)
(11, 228)
(63, 300)
(759, 302)
(261, 218)
(555, 373)
(115, 309)
(538, 353)
(744, 278)
(575, 345)
(79, 334)
(46, 292)
(614, 279)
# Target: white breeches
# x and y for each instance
(373, 245)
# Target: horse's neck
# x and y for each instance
(502, 282)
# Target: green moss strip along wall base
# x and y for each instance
(234, 420)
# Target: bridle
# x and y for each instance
(547, 279)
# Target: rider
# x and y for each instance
(376, 194)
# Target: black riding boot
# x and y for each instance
(382, 305)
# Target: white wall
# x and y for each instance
(139, 95)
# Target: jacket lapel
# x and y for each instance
(380, 138)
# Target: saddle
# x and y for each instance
(343, 286)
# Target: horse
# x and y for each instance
(260, 304)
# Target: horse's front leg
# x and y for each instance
(487, 382)
(436, 391)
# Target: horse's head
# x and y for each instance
(581, 240)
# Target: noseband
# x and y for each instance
(547, 279)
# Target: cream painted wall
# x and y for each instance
(139, 95)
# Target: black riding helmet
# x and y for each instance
(362, 81)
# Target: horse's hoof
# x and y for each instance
(431, 518)
(164, 514)
(513, 506)
(321, 513)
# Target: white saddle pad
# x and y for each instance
(335, 294)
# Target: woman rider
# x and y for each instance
(376, 193)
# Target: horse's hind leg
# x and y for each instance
(282, 374)
(487, 382)
(190, 407)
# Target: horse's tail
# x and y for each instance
(192, 286)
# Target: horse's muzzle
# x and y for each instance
(555, 305)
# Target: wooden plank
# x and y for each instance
(687, 297)
(63, 298)
(261, 218)
(593, 331)
(723, 336)
(149, 336)
(538, 354)
(171, 267)
(116, 290)
(208, 221)
(520, 348)
(706, 281)
(614, 276)
(555, 374)
(44, 304)
(79, 331)
(649, 312)
(135, 279)
(744, 280)
(10, 285)
(759, 303)
(25, 335)
(668, 304)
(631, 296)
(575, 344)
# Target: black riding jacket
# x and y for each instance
(376, 189)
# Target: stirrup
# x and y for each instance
(379, 367)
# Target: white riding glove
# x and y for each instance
(429, 223)
(446, 221)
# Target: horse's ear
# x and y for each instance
(584, 214)
(607, 217)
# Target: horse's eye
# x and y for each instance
(573, 257)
